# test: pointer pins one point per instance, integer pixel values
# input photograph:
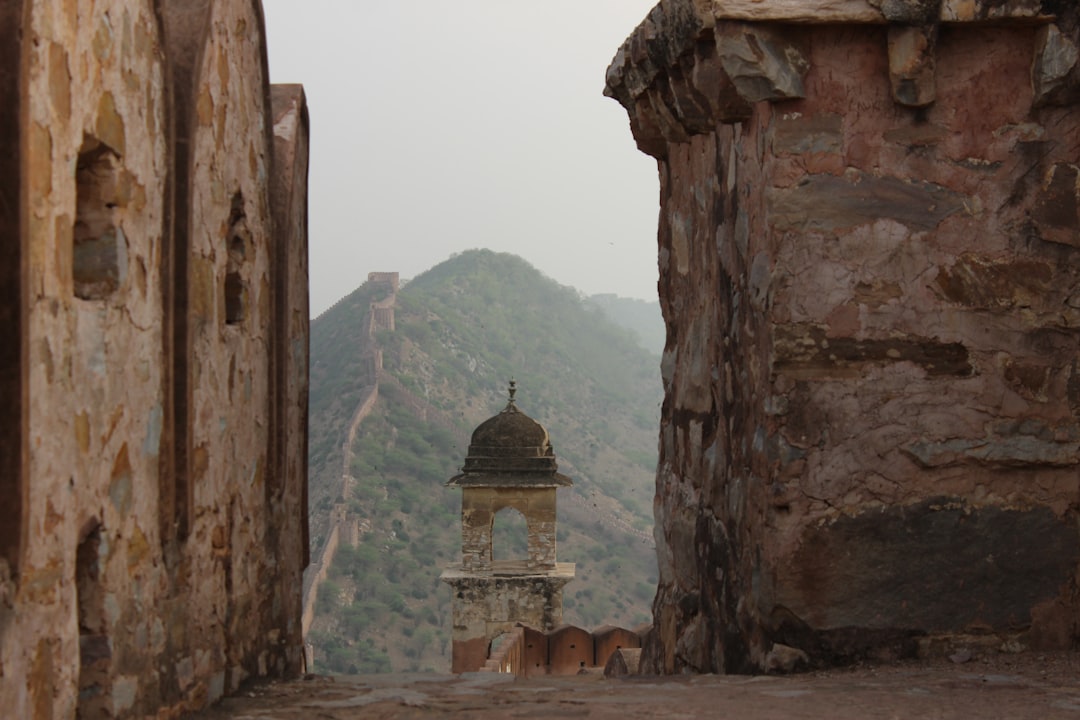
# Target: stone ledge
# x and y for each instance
(561, 571)
(693, 63)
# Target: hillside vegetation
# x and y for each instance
(463, 329)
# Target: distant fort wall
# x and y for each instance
(344, 526)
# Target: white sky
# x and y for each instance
(440, 126)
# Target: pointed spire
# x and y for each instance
(513, 390)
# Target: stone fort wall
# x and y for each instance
(154, 375)
(868, 251)
(343, 526)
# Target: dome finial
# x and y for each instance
(513, 390)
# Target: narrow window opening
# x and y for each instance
(238, 243)
(13, 364)
(95, 648)
(99, 248)
(581, 664)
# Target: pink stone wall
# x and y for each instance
(869, 440)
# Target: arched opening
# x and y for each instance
(509, 536)
(95, 648)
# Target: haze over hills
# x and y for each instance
(462, 330)
(642, 317)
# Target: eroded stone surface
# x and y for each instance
(869, 436)
(142, 577)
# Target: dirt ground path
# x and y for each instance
(1025, 685)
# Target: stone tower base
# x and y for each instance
(487, 605)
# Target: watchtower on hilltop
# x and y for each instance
(510, 466)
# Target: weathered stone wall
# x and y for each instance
(868, 270)
(118, 595)
(95, 155)
(486, 606)
(287, 483)
(229, 332)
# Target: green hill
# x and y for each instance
(463, 329)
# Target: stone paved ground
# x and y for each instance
(1004, 686)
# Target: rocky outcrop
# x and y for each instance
(868, 271)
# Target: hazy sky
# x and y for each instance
(440, 126)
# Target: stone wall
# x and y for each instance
(527, 652)
(868, 252)
(153, 535)
(316, 574)
(287, 482)
(488, 605)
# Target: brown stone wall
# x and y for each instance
(867, 255)
(118, 596)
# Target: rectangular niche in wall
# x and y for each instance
(99, 255)
(95, 647)
(239, 241)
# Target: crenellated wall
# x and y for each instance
(152, 537)
(869, 251)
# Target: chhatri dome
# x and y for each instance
(510, 450)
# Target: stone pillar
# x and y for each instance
(868, 245)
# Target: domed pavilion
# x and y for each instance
(510, 466)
